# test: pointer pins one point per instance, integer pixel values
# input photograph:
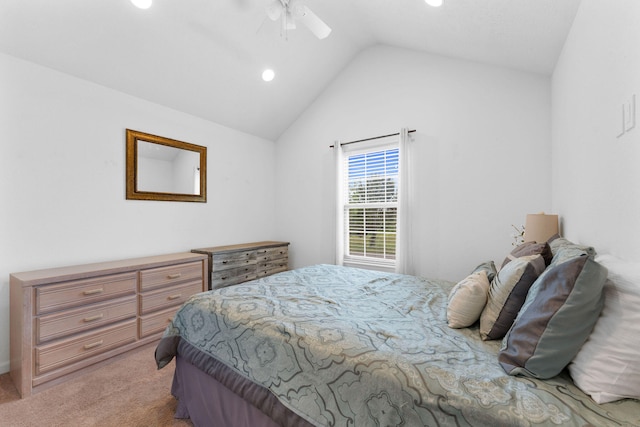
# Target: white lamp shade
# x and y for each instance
(540, 227)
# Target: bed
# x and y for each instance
(327, 345)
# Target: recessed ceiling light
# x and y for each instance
(142, 4)
(268, 75)
(434, 3)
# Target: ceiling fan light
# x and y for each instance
(434, 3)
(268, 75)
(311, 20)
(142, 4)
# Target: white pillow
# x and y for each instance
(467, 300)
(606, 367)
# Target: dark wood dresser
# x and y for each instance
(233, 264)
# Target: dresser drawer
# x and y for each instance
(164, 276)
(76, 320)
(82, 292)
(65, 352)
(232, 276)
(168, 297)
(230, 260)
(272, 267)
(221, 283)
(270, 254)
(156, 323)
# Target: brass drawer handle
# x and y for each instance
(93, 292)
(176, 296)
(93, 345)
(174, 276)
(93, 318)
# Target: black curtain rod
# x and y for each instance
(370, 139)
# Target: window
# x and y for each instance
(370, 198)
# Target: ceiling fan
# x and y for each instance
(290, 12)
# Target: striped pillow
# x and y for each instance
(507, 293)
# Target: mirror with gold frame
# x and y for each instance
(160, 168)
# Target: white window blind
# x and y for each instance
(370, 200)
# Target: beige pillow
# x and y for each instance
(507, 293)
(467, 299)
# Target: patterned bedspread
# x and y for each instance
(351, 347)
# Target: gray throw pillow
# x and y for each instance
(568, 248)
(488, 267)
(556, 319)
(530, 248)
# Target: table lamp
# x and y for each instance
(540, 227)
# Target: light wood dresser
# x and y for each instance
(67, 320)
(233, 264)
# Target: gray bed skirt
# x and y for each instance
(209, 393)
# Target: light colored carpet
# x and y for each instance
(128, 392)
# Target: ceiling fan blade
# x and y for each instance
(274, 10)
(311, 20)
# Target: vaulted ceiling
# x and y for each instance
(205, 57)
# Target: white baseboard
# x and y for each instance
(4, 367)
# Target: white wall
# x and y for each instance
(62, 179)
(482, 144)
(596, 176)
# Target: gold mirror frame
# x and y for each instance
(133, 193)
